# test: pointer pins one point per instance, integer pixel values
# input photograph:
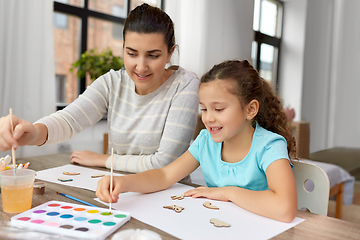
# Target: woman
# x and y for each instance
(151, 110)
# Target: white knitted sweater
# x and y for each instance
(146, 131)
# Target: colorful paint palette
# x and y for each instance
(72, 220)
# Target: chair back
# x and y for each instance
(106, 143)
(312, 186)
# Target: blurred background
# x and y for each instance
(308, 50)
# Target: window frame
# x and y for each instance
(261, 38)
(84, 13)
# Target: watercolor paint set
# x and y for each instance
(72, 220)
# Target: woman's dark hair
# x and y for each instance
(248, 85)
(148, 19)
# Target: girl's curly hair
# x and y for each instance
(248, 85)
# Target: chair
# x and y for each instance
(105, 143)
(313, 188)
(301, 132)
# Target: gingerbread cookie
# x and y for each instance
(174, 207)
(181, 197)
(65, 179)
(69, 173)
(97, 175)
(218, 223)
(208, 205)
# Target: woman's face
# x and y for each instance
(145, 57)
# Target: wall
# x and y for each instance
(292, 54)
(319, 57)
(319, 75)
(316, 98)
(345, 114)
(200, 27)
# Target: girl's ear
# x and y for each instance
(252, 109)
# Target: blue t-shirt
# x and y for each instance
(249, 173)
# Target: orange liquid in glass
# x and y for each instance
(16, 199)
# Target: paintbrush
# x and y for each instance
(76, 199)
(12, 149)
(111, 176)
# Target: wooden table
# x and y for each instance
(314, 227)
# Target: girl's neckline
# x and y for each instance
(246, 156)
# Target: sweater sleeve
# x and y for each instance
(178, 131)
(85, 111)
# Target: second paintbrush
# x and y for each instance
(76, 199)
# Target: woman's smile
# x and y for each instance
(145, 57)
(142, 76)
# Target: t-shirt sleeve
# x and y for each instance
(195, 147)
(274, 149)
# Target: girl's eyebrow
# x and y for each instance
(151, 51)
(214, 103)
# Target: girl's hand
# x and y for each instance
(103, 189)
(216, 193)
(25, 133)
(89, 158)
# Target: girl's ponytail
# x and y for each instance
(272, 117)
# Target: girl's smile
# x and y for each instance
(222, 113)
(214, 130)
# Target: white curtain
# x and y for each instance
(27, 75)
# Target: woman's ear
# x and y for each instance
(252, 109)
(170, 54)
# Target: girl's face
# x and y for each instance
(145, 57)
(222, 113)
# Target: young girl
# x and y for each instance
(151, 110)
(244, 152)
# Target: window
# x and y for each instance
(155, 3)
(60, 20)
(117, 31)
(60, 86)
(81, 25)
(119, 11)
(267, 37)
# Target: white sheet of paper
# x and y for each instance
(83, 180)
(194, 221)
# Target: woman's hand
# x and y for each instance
(24, 133)
(103, 189)
(216, 193)
(89, 158)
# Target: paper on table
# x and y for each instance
(194, 221)
(83, 180)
